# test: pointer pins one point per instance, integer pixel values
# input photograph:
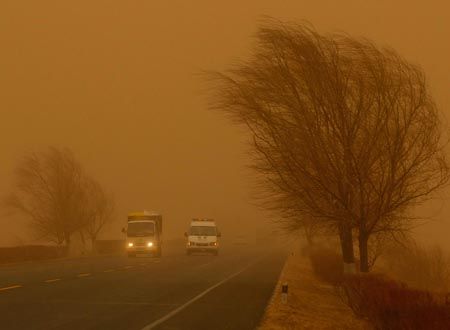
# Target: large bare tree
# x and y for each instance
(344, 133)
(48, 190)
(58, 197)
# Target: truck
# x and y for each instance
(202, 236)
(144, 233)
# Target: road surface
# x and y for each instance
(229, 291)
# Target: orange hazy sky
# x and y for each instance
(117, 82)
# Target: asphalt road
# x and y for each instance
(229, 291)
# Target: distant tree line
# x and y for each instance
(345, 135)
(59, 198)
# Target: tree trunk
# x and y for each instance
(68, 251)
(308, 236)
(348, 256)
(93, 246)
(83, 242)
(363, 254)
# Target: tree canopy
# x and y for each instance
(345, 134)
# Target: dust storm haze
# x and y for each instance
(118, 83)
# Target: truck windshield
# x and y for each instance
(203, 231)
(136, 229)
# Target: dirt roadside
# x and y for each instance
(311, 304)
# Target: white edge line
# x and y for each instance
(179, 309)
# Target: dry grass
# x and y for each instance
(327, 264)
(390, 304)
(312, 304)
(425, 268)
(319, 294)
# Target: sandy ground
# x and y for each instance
(312, 304)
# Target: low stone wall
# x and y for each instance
(30, 252)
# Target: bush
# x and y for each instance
(423, 268)
(390, 304)
(326, 264)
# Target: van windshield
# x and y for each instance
(136, 229)
(203, 231)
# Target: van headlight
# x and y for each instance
(150, 244)
(130, 244)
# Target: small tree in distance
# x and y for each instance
(98, 209)
(345, 135)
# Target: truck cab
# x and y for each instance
(202, 236)
(144, 233)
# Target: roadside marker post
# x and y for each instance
(284, 292)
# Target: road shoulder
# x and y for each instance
(311, 304)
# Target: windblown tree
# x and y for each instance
(52, 191)
(48, 191)
(345, 135)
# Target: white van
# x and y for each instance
(202, 236)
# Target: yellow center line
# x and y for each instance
(10, 287)
(52, 280)
(108, 270)
(84, 274)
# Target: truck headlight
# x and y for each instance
(130, 244)
(213, 243)
(149, 244)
